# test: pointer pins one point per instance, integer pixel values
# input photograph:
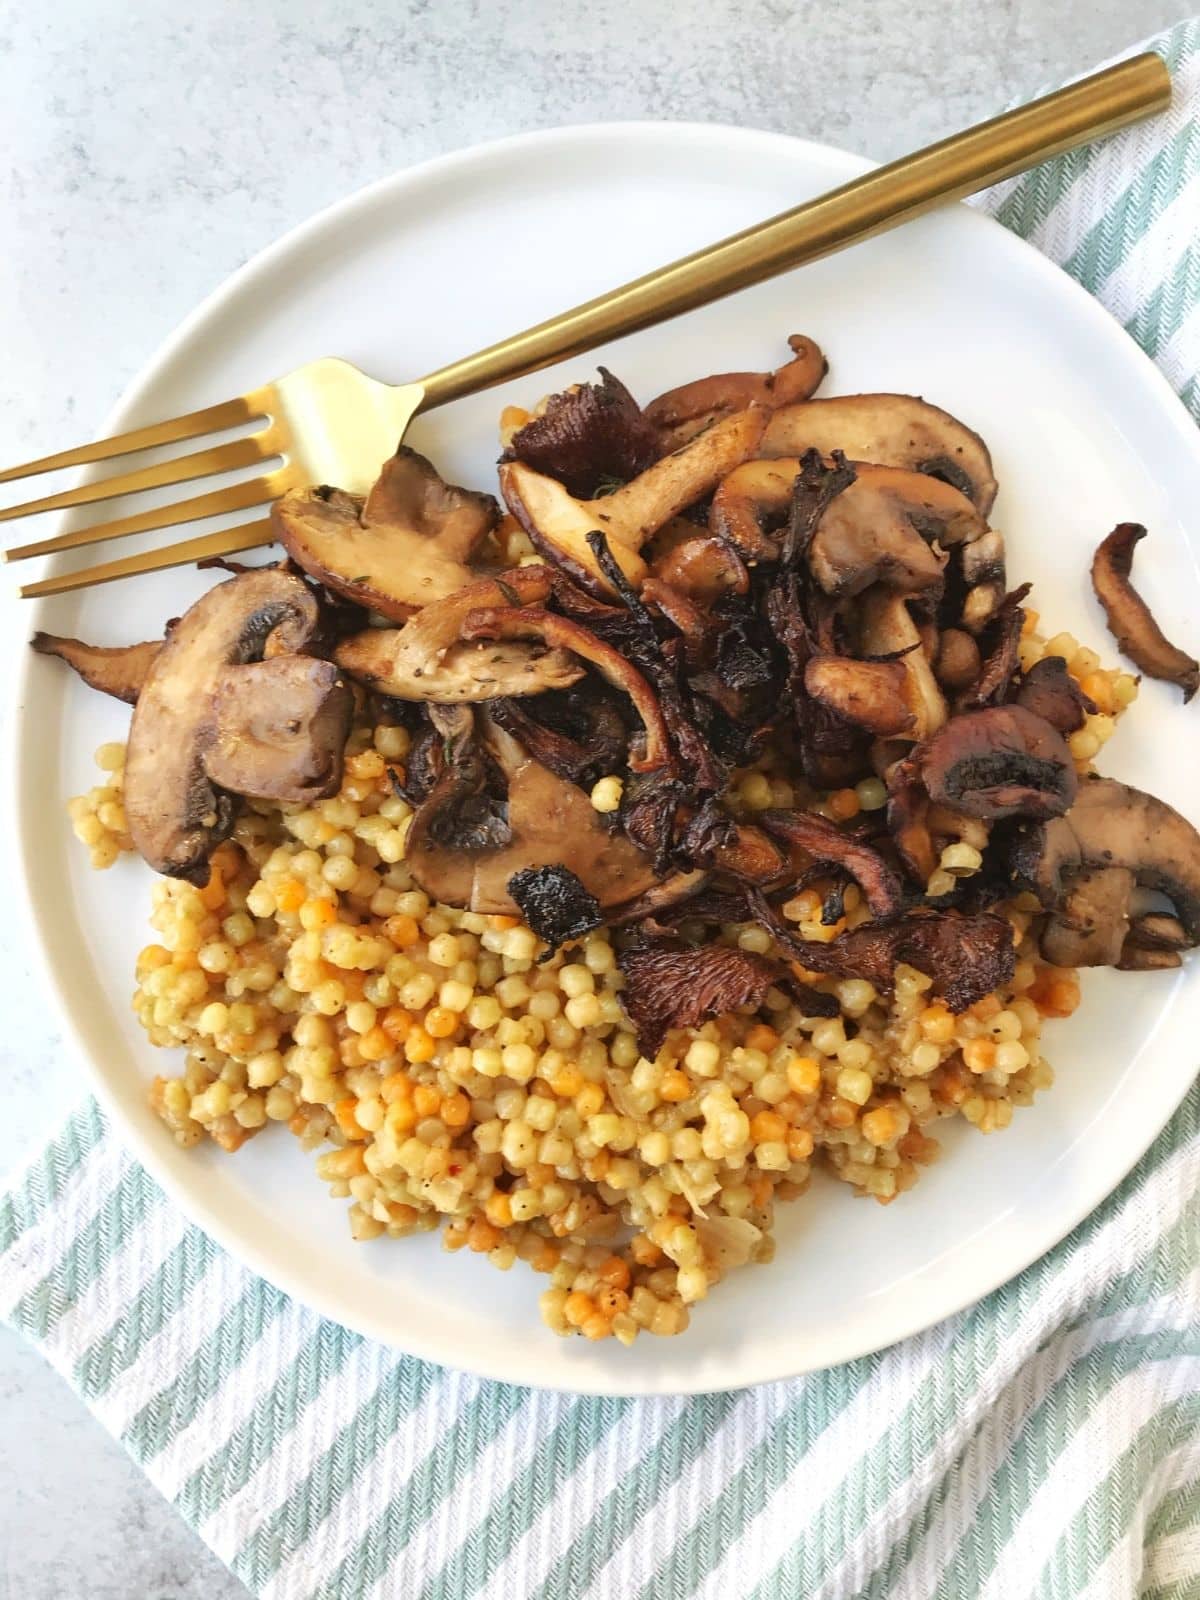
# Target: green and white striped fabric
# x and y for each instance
(1046, 1442)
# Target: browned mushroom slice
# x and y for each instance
(428, 659)
(1129, 617)
(559, 524)
(407, 545)
(177, 812)
(1112, 825)
(908, 820)
(1001, 639)
(886, 628)
(588, 434)
(703, 567)
(1144, 958)
(279, 728)
(1050, 692)
(534, 820)
(983, 573)
(119, 670)
(560, 633)
(999, 762)
(682, 413)
(824, 841)
(672, 985)
(1088, 928)
(871, 694)
(966, 956)
(895, 430)
(1158, 931)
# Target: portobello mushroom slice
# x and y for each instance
(559, 524)
(1089, 927)
(1113, 825)
(178, 810)
(1130, 619)
(999, 762)
(680, 414)
(895, 430)
(408, 544)
(429, 659)
(279, 728)
(118, 670)
(534, 820)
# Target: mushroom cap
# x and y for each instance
(895, 430)
(406, 545)
(1113, 825)
(871, 694)
(1001, 761)
(177, 812)
(280, 729)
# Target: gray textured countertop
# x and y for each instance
(148, 149)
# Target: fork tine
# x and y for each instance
(212, 419)
(237, 497)
(200, 464)
(225, 542)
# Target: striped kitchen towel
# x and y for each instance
(1045, 1442)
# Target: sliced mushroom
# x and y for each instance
(879, 531)
(119, 670)
(177, 811)
(824, 841)
(1112, 825)
(1050, 692)
(546, 822)
(586, 435)
(680, 414)
(429, 659)
(1088, 927)
(886, 628)
(1001, 639)
(407, 545)
(1129, 617)
(966, 956)
(559, 524)
(895, 430)
(871, 694)
(673, 985)
(703, 567)
(280, 728)
(999, 762)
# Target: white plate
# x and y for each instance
(441, 260)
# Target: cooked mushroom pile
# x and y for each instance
(586, 871)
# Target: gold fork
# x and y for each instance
(329, 423)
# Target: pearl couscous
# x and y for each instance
(452, 1076)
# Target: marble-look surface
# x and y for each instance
(146, 150)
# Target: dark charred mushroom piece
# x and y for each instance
(671, 985)
(966, 956)
(177, 812)
(1130, 619)
(908, 820)
(1001, 641)
(769, 509)
(896, 430)
(825, 841)
(999, 762)
(119, 670)
(578, 735)
(408, 544)
(682, 413)
(1050, 692)
(555, 904)
(588, 435)
(1112, 825)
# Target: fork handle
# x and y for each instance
(949, 170)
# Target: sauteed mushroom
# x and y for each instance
(1129, 617)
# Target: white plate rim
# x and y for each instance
(972, 1284)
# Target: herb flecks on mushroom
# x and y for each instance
(178, 811)
(118, 670)
(682, 413)
(408, 544)
(894, 430)
(1129, 617)
(559, 524)
(429, 658)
